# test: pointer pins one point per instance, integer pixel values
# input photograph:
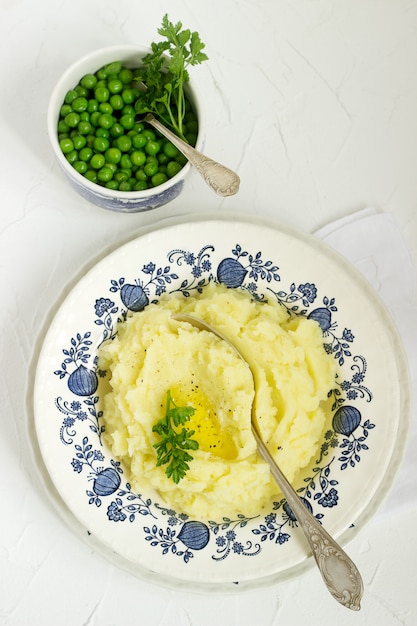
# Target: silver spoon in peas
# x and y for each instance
(338, 571)
(220, 178)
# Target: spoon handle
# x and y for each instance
(340, 574)
(221, 179)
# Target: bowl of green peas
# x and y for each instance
(96, 126)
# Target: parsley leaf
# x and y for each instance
(174, 443)
(164, 72)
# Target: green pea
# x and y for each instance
(65, 109)
(128, 109)
(80, 166)
(112, 184)
(106, 120)
(105, 174)
(152, 147)
(150, 169)
(122, 175)
(170, 150)
(128, 96)
(90, 140)
(63, 127)
(115, 85)
(80, 104)
(85, 154)
(159, 178)
(84, 128)
(125, 185)
(97, 161)
(88, 81)
(101, 94)
(149, 134)
(124, 143)
(94, 118)
(125, 162)
(81, 91)
(116, 102)
(127, 121)
(92, 105)
(79, 142)
(117, 130)
(141, 176)
(91, 175)
(105, 107)
(101, 144)
(138, 158)
(101, 74)
(162, 158)
(139, 141)
(102, 132)
(125, 75)
(140, 185)
(72, 156)
(111, 166)
(113, 155)
(66, 145)
(173, 167)
(70, 96)
(72, 119)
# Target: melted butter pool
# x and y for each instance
(205, 422)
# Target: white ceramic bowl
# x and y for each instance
(128, 201)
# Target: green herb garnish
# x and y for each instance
(172, 448)
(164, 73)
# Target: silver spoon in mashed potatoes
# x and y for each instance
(339, 573)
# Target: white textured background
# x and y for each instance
(314, 102)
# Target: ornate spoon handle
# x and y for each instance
(340, 574)
(221, 179)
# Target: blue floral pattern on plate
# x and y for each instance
(168, 531)
(362, 443)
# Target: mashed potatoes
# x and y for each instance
(154, 353)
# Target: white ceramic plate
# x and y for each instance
(360, 451)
